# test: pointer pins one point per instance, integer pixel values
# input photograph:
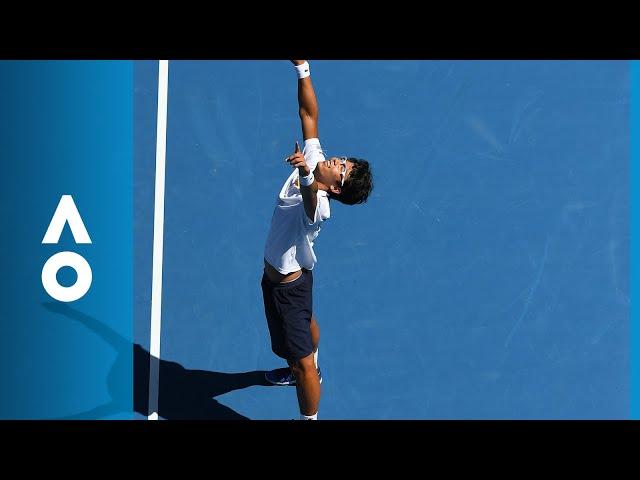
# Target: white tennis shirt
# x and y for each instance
(289, 244)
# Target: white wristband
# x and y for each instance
(306, 181)
(302, 70)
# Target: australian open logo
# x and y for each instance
(66, 213)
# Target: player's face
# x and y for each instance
(335, 171)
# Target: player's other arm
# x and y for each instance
(309, 192)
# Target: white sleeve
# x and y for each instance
(313, 152)
(321, 214)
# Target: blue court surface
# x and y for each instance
(486, 278)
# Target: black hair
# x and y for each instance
(358, 185)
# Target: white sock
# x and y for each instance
(309, 417)
(315, 357)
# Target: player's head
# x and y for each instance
(349, 180)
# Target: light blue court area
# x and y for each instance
(486, 278)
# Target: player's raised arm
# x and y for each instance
(307, 102)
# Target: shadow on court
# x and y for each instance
(184, 394)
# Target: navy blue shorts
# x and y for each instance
(288, 308)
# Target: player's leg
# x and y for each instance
(315, 337)
(307, 385)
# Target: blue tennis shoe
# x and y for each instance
(284, 376)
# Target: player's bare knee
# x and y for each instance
(304, 366)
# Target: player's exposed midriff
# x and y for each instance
(276, 277)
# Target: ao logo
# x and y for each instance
(66, 212)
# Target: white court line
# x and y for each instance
(158, 228)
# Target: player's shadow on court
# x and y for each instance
(184, 394)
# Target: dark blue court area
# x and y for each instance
(486, 278)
